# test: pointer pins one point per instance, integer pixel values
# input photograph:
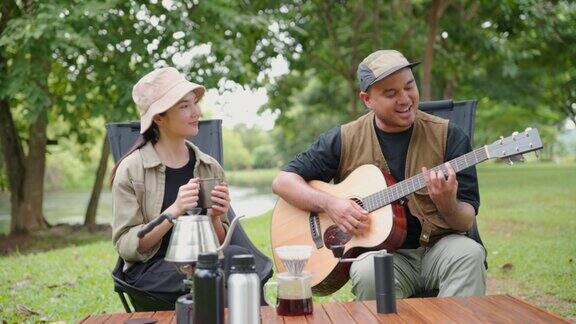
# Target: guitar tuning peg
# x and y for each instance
(537, 153)
(528, 129)
(514, 135)
(510, 161)
(501, 139)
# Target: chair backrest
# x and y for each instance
(461, 113)
(209, 139)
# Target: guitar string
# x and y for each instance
(407, 186)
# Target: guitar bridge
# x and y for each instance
(315, 230)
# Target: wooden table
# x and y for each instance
(488, 309)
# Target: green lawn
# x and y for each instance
(526, 221)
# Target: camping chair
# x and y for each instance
(461, 113)
(142, 301)
(209, 139)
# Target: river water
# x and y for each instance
(70, 206)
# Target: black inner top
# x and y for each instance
(175, 178)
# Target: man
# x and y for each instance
(400, 139)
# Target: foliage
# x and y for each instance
(504, 53)
(3, 179)
(264, 157)
(236, 156)
(247, 148)
(76, 62)
(312, 112)
(70, 166)
(71, 62)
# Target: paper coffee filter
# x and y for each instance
(294, 257)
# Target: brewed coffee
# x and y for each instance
(294, 293)
(294, 307)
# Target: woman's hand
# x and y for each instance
(220, 200)
(187, 198)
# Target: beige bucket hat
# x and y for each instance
(379, 65)
(159, 90)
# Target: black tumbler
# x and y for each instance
(208, 290)
(384, 277)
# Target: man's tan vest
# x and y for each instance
(427, 146)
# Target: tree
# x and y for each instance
(78, 61)
(502, 53)
(136, 48)
(30, 82)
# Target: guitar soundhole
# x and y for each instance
(334, 236)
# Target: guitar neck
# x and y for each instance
(404, 188)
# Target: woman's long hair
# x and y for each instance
(152, 134)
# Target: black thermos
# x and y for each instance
(384, 277)
(208, 290)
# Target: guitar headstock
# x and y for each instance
(515, 144)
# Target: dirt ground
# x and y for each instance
(57, 236)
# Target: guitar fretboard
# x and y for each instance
(403, 188)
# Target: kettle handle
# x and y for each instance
(155, 222)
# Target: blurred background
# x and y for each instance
(279, 73)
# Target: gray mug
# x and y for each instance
(206, 187)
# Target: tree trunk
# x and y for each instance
(26, 212)
(354, 60)
(432, 20)
(13, 158)
(90, 217)
(376, 26)
(25, 173)
(449, 89)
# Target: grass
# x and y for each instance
(62, 284)
(526, 221)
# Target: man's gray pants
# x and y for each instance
(454, 266)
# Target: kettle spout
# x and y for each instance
(229, 234)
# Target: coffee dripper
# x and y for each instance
(294, 289)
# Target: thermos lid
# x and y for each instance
(242, 263)
(208, 260)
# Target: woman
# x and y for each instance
(161, 175)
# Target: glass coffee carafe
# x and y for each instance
(294, 294)
(293, 288)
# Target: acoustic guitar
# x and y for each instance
(377, 193)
